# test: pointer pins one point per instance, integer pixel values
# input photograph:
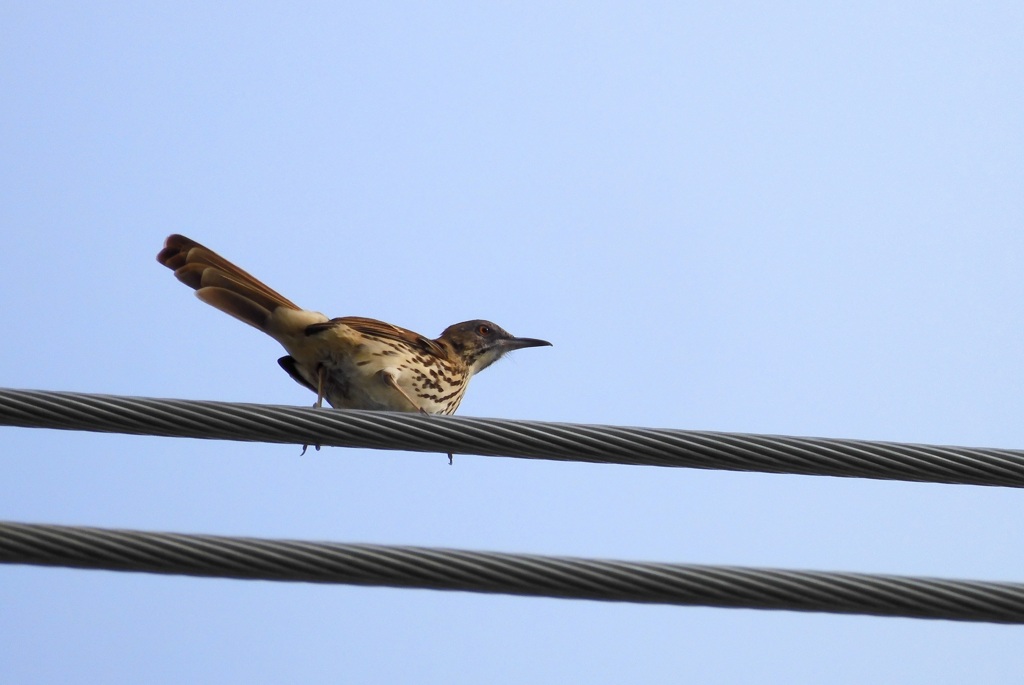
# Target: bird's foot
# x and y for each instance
(318, 404)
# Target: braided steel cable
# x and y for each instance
(500, 437)
(514, 574)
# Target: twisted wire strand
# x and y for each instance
(514, 574)
(500, 437)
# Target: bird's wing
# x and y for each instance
(382, 329)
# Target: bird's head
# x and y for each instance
(481, 343)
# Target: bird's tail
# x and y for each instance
(223, 285)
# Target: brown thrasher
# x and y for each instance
(351, 361)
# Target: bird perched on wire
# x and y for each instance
(351, 361)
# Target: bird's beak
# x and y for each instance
(510, 344)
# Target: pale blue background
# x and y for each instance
(797, 218)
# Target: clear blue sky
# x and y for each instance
(800, 219)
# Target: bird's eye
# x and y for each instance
(483, 330)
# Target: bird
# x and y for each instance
(352, 362)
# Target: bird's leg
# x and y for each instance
(319, 402)
(319, 387)
(390, 380)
